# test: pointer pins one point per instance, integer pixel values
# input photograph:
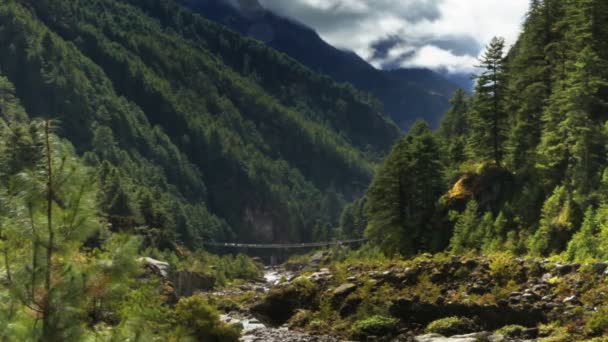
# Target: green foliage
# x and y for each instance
(450, 326)
(487, 116)
(465, 233)
(556, 224)
(377, 326)
(511, 331)
(454, 129)
(203, 321)
(353, 220)
(190, 148)
(504, 268)
(584, 245)
(597, 323)
(402, 200)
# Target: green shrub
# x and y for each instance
(300, 319)
(203, 321)
(503, 268)
(597, 323)
(374, 326)
(452, 326)
(511, 331)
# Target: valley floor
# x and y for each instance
(496, 298)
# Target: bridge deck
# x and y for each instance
(283, 246)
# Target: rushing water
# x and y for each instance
(256, 331)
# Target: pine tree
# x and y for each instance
(530, 82)
(402, 198)
(584, 245)
(454, 128)
(464, 229)
(487, 116)
(556, 224)
(572, 144)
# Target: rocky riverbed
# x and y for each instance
(500, 299)
(254, 330)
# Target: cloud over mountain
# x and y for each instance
(438, 34)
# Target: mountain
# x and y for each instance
(407, 94)
(197, 132)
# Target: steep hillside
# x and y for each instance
(406, 94)
(520, 166)
(198, 133)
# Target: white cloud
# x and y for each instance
(432, 57)
(431, 33)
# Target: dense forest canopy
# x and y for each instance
(518, 166)
(199, 132)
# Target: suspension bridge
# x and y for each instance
(283, 245)
(275, 253)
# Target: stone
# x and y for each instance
(564, 269)
(530, 297)
(188, 283)
(159, 268)
(459, 338)
(573, 300)
(316, 258)
(550, 306)
(345, 289)
(600, 267)
(478, 289)
(350, 306)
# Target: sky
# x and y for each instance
(444, 35)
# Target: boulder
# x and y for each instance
(160, 268)
(350, 306)
(440, 338)
(188, 283)
(344, 290)
(280, 304)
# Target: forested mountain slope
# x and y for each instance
(197, 132)
(407, 94)
(521, 166)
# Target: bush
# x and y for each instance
(203, 321)
(511, 331)
(597, 322)
(451, 326)
(504, 268)
(374, 326)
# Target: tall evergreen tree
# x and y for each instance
(530, 80)
(402, 198)
(454, 127)
(487, 115)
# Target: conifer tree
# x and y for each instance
(402, 198)
(556, 224)
(584, 244)
(487, 116)
(464, 229)
(454, 127)
(530, 84)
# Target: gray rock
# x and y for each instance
(188, 283)
(459, 338)
(160, 268)
(546, 277)
(316, 258)
(571, 300)
(345, 289)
